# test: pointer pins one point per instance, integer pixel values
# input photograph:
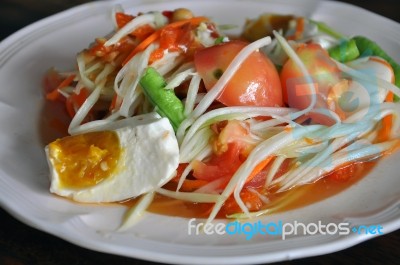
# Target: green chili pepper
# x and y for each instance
(368, 47)
(166, 102)
(345, 51)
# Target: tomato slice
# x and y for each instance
(122, 19)
(75, 101)
(255, 83)
(220, 165)
(230, 150)
(323, 71)
(252, 201)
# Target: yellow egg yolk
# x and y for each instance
(84, 160)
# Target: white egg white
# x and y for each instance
(149, 158)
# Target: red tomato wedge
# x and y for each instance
(255, 83)
(75, 101)
(323, 71)
(122, 19)
(230, 150)
(252, 201)
(51, 80)
(219, 166)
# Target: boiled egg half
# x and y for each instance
(113, 165)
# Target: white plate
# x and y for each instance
(54, 41)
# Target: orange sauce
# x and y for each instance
(324, 188)
(53, 123)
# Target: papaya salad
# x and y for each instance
(169, 105)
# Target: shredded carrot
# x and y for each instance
(389, 97)
(143, 32)
(143, 45)
(123, 19)
(259, 167)
(115, 102)
(53, 95)
(75, 101)
(299, 29)
(387, 122)
(153, 37)
(156, 55)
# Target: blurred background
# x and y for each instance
(15, 14)
(23, 245)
